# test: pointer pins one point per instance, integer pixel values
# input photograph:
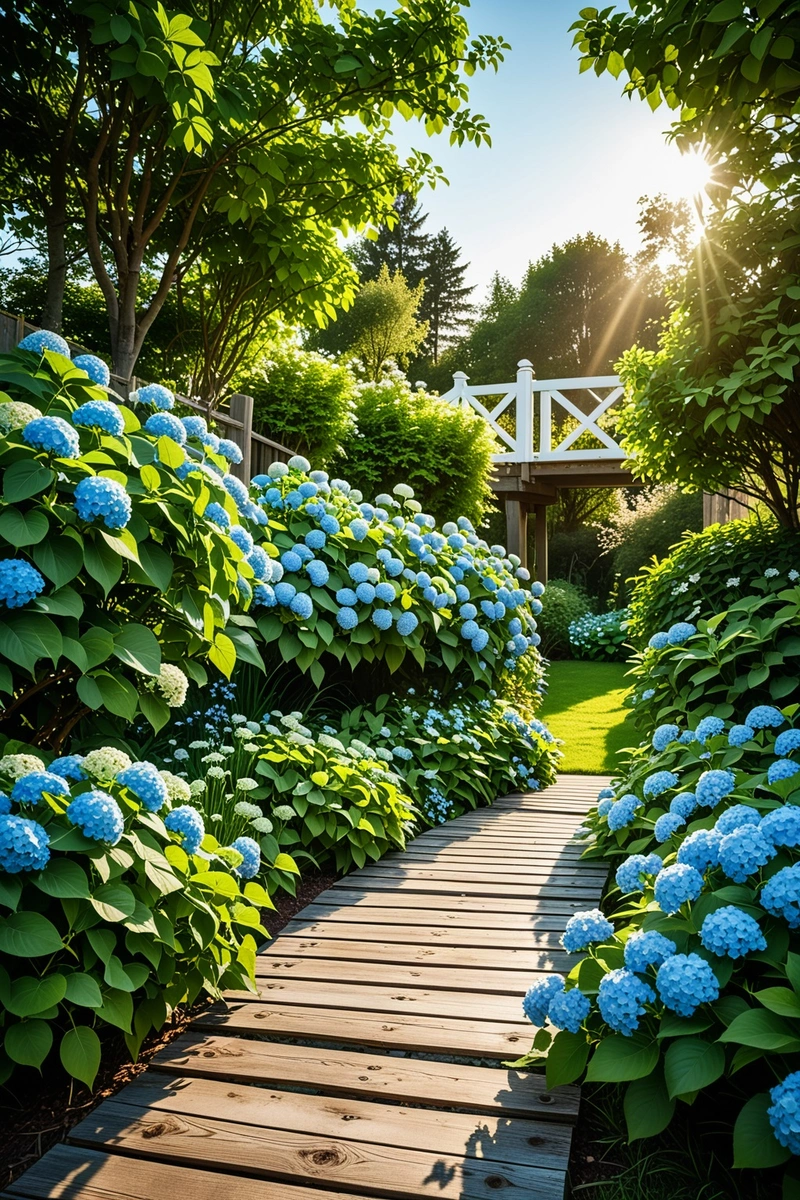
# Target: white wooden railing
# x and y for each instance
(529, 405)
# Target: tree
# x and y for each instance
(162, 119)
(445, 302)
(382, 325)
(717, 405)
(401, 245)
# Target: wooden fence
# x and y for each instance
(234, 422)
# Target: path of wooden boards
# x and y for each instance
(339, 1080)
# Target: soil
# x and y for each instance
(38, 1111)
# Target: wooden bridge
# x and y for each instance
(370, 1064)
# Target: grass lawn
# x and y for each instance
(584, 708)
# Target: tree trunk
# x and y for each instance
(126, 341)
(52, 312)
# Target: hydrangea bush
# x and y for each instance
(601, 636)
(116, 906)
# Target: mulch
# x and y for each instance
(38, 1111)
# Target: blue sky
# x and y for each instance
(569, 153)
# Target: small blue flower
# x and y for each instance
(781, 895)
(264, 595)
(146, 783)
(660, 782)
(291, 561)
(738, 735)
(407, 623)
(365, 593)
(568, 1010)
(386, 593)
(606, 793)
(658, 641)
(347, 618)
(53, 435)
(623, 811)
(630, 874)
(329, 525)
(317, 572)
(68, 767)
(538, 998)
(216, 513)
(359, 529)
(24, 845)
(647, 948)
(585, 928)
(94, 367)
(667, 824)
(195, 427)
(358, 572)
(19, 582)
(302, 605)
(781, 827)
(664, 735)
(187, 822)
(381, 618)
(163, 424)
(621, 998)
(236, 489)
(241, 538)
(604, 806)
(684, 982)
(675, 885)
(787, 741)
(684, 804)
(700, 849)
(30, 788)
(730, 932)
(157, 395)
(99, 414)
(99, 497)
(480, 641)
(784, 1112)
(98, 816)
(709, 727)
(680, 632)
(251, 856)
(743, 852)
(782, 768)
(346, 597)
(230, 450)
(285, 593)
(44, 339)
(765, 716)
(713, 786)
(315, 539)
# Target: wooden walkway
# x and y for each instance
(339, 1080)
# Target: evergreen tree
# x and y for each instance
(445, 303)
(402, 248)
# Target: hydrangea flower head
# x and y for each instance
(782, 768)
(623, 811)
(156, 394)
(765, 716)
(13, 766)
(407, 623)
(647, 948)
(98, 497)
(781, 895)
(19, 582)
(53, 435)
(70, 766)
(230, 450)
(700, 849)
(675, 885)
(144, 780)
(631, 873)
(730, 932)
(568, 1010)
(606, 793)
(713, 786)
(621, 998)
(285, 593)
(24, 845)
(346, 618)
(684, 982)
(29, 789)
(680, 632)
(585, 928)
(664, 735)
(738, 735)
(44, 339)
(99, 414)
(188, 823)
(106, 762)
(784, 1112)
(667, 824)
(735, 818)
(787, 741)
(709, 727)
(684, 804)
(743, 852)
(658, 641)
(251, 857)
(604, 806)
(163, 424)
(659, 782)
(781, 827)
(538, 998)
(302, 605)
(98, 816)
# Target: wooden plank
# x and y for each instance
(477, 890)
(70, 1173)
(348, 1073)
(358, 1167)
(384, 1030)
(518, 939)
(525, 1142)
(527, 903)
(476, 981)
(433, 868)
(291, 948)
(521, 922)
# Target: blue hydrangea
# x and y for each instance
(647, 948)
(684, 982)
(328, 524)
(54, 435)
(469, 629)
(44, 339)
(251, 857)
(285, 593)
(211, 442)
(787, 741)
(358, 572)
(163, 424)
(743, 852)
(735, 818)
(687, 737)
(680, 632)
(480, 641)
(684, 804)
(537, 589)
(359, 528)
(19, 582)
(260, 563)
(157, 395)
(241, 538)
(667, 824)
(606, 793)
(195, 427)
(648, 693)
(230, 450)
(709, 727)
(24, 844)
(630, 874)
(99, 414)
(30, 788)
(302, 605)
(664, 735)
(346, 618)
(659, 782)
(187, 822)
(315, 539)
(784, 1112)
(236, 490)
(346, 597)
(538, 998)
(675, 885)
(781, 895)
(94, 367)
(68, 767)
(382, 619)
(265, 595)
(658, 641)
(394, 567)
(291, 561)
(739, 734)
(317, 572)
(407, 623)
(99, 497)
(731, 932)
(764, 716)
(585, 928)
(216, 513)
(713, 786)
(623, 811)
(568, 1010)
(386, 593)
(781, 827)
(700, 849)
(604, 806)
(98, 816)
(782, 768)
(365, 593)
(144, 780)
(621, 998)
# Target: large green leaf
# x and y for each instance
(25, 478)
(763, 1030)
(29, 935)
(618, 1059)
(63, 878)
(119, 695)
(23, 528)
(80, 1054)
(26, 637)
(103, 564)
(113, 901)
(754, 1143)
(156, 565)
(137, 647)
(648, 1106)
(28, 1043)
(98, 644)
(155, 710)
(83, 990)
(117, 1008)
(30, 995)
(691, 1064)
(566, 1058)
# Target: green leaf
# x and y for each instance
(113, 902)
(29, 935)
(782, 1001)
(29, 1043)
(26, 637)
(25, 478)
(223, 654)
(30, 995)
(566, 1058)
(80, 1054)
(103, 564)
(763, 1030)
(156, 565)
(754, 1143)
(10, 891)
(63, 878)
(691, 1064)
(726, 10)
(648, 1106)
(117, 1008)
(23, 528)
(618, 1059)
(137, 647)
(119, 695)
(155, 710)
(169, 452)
(83, 990)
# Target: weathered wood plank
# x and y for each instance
(414, 935)
(346, 1073)
(385, 882)
(476, 982)
(343, 950)
(424, 916)
(564, 906)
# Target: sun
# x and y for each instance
(690, 176)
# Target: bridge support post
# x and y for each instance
(540, 535)
(517, 529)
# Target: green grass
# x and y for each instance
(584, 708)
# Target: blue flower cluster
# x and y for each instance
(739, 735)
(784, 1112)
(251, 856)
(30, 788)
(664, 735)
(98, 816)
(19, 582)
(187, 822)
(44, 339)
(743, 853)
(684, 982)
(781, 895)
(623, 811)
(713, 786)
(164, 424)
(68, 767)
(584, 928)
(781, 827)
(621, 998)
(99, 497)
(765, 716)
(787, 741)
(735, 817)
(647, 948)
(680, 632)
(155, 394)
(53, 435)
(709, 727)
(24, 845)
(667, 824)
(731, 932)
(700, 849)
(538, 998)
(675, 885)
(569, 1010)
(782, 768)
(94, 367)
(99, 414)
(631, 873)
(146, 783)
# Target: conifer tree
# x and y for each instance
(445, 303)
(402, 248)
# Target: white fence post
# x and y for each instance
(458, 395)
(524, 438)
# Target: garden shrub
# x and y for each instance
(645, 528)
(601, 636)
(565, 602)
(442, 451)
(577, 556)
(116, 906)
(706, 572)
(302, 399)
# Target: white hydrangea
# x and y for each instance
(246, 785)
(106, 762)
(284, 812)
(181, 755)
(14, 766)
(215, 773)
(238, 719)
(199, 745)
(253, 727)
(262, 825)
(171, 683)
(178, 789)
(16, 415)
(251, 747)
(213, 756)
(245, 809)
(404, 491)
(197, 787)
